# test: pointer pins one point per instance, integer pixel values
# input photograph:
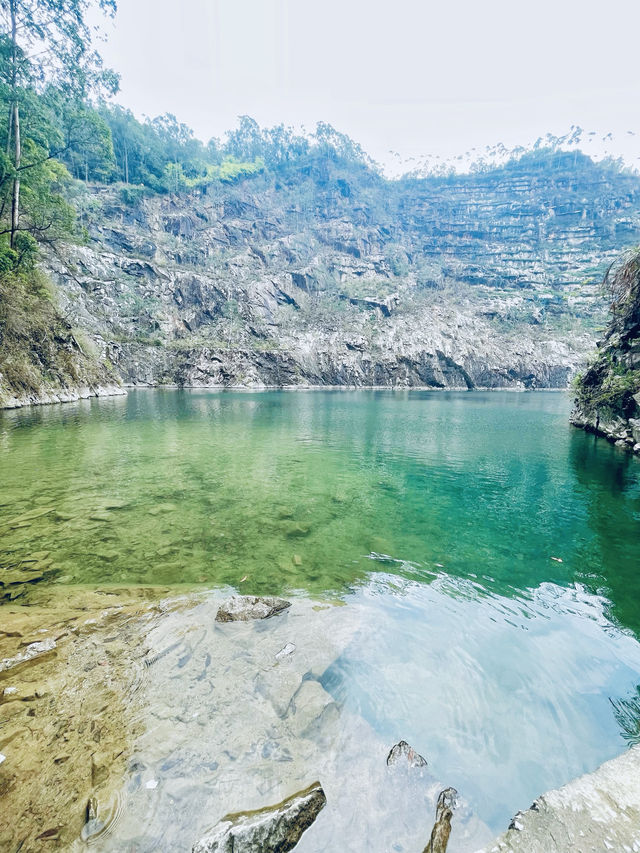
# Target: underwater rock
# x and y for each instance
(310, 707)
(279, 687)
(402, 750)
(243, 608)
(274, 829)
(93, 826)
(289, 649)
(32, 653)
(442, 827)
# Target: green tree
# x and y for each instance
(45, 40)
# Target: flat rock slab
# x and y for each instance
(244, 608)
(596, 812)
(275, 829)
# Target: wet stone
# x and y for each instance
(402, 752)
(244, 608)
(442, 827)
(31, 654)
(275, 829)
(285, 651)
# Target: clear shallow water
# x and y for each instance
(433, 516)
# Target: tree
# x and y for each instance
(46, 40)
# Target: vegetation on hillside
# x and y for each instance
(48, 71)
(39, 350)
(612, 381)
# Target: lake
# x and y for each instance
(474, 560)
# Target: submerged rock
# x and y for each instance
(33, 652)
(274, 829)
(285, 651)
(93, 826)
(243, 608)
(309, 708)
(402, 751)
(442, 827)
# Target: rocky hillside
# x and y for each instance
(323, 272)
(608, 392)
(43, 359)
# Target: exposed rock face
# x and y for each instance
(599, 811)
(244, 608)
(275, 829)
(474, 281)
(608, 393)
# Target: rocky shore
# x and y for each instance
(599, 811)
(623, 432)
(608, 392)
(121, 707)
(66, 395)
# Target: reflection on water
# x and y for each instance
(432, 516)
(297, 490)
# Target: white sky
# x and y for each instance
(418, 77)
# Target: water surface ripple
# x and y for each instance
(432, 517)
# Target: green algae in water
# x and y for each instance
(316, 490)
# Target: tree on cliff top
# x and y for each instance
(45, 42)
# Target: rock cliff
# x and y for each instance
(335, 276)
(608, 392)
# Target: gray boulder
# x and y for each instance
(243, 608)
(274, 829)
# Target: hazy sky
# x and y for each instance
(413, 76)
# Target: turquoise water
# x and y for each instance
(434, 516)
(303, 490)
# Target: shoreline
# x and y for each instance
(73, 396)
(66, 395)
(107, 638)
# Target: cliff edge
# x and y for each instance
(608, 392)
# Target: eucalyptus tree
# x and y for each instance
(46, 43)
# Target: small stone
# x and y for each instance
(401, 751)
(243, 608)
(287, 650)
(91, 811)
(2, 758)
